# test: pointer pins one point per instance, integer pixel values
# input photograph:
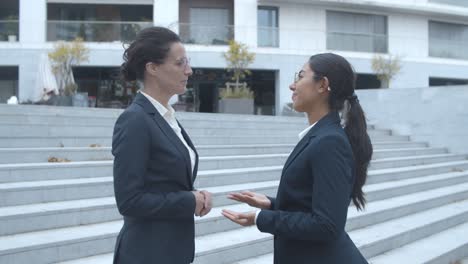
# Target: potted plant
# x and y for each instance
(386, 68)
(11, 28)
(238, 99)
(63, 57)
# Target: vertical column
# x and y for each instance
(32, 21)
(32, 31)
(408, 36)
(166, 14)
(245, 22)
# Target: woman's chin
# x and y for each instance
(297, 107)
(180, 90)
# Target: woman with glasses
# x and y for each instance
(325, 172)
(155, 161)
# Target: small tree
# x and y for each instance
(238, 58)
(63, 57)
(386, 68)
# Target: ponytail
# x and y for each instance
(356, 130)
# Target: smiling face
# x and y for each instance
(173, 74)
(309, 90)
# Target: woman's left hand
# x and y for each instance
(208, 203)
(243, 219)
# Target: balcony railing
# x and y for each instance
(445, 48)
(357, 42)
(268, 37)
(9, 30)
(94, 31)
(205, 34)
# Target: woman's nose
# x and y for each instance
(188, 70)
(292, 87)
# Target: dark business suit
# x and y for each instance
(308, 215)
(153, 181)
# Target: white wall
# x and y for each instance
(32, 21)
(245, 22)
(302, 27)
(166, 13)
(438, 115)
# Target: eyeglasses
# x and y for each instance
(298, 76)
(183, 63)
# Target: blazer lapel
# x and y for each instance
(189, 142)
(298, 149)
(331, 117)
(167, 130)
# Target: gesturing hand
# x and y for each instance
(252, 199)
(200, 202)
(243, 219)
(208, 203)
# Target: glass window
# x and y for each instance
(8, 83)
(268, 33)
(9, 20)
(448, 40)
(356, 32)
(96, 22)
(209, 26)
(463, 3)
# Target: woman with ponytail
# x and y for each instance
(325, 172)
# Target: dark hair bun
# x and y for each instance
(128, 74)
(151, 45)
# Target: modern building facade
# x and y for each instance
(430, 36)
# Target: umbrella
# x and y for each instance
(45, 80)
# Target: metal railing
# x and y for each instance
(206, 34)
(9, 30)
(94, 31)
(445, 48)
(268, 37)
(357, 42)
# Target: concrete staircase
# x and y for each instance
(65, 212)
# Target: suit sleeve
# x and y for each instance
(131, 148)
(330, 167)
(272, 202)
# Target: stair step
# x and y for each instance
(27, 142)
(67, 243)
(77, 169)
(37, 155)
(264, 259)
(415, 160)
(377, 239)
(34, 217)
(18, 193)
(379, 191)
(447, 246)
(391, 208)
(406, 152)
(394, 174)
(22, 193)
(222, 246)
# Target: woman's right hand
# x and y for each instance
(199, 202)
(253, 199)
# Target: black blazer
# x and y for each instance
(153, 181)
(308, 215)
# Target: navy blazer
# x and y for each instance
(308, 215)
(153, 181)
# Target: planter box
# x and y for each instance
(12, 38)
(237, 106)
(80, 100)
(61, 100)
